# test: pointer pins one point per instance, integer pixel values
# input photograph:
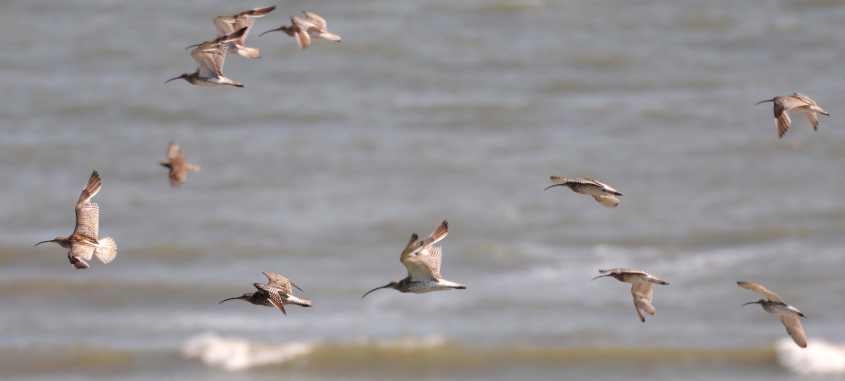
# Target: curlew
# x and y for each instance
(773, 304)
(796, 101)
(422, 259)
(305, 28)
(246, 19)
(601, 192)
(84, 242)
(177, 165)
(210, 57)
(641, 287)
(277, 292)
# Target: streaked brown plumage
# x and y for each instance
(423, 259)
(604, 194)
(305, 28)
(210, 57)
(773, 304)
(84, 242)
(641, 287)
(177, 165)
(796, 101)
(246, 19)
(277, 292)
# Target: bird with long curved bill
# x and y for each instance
(85, 241)
(641, 287)
(277, 292)
(782, 105)
(773, 304)
(422, 259)
(210, 57)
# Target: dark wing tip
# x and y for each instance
(95, 174)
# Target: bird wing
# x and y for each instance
(415, 258)
(439, 233)
(430, 257)
(210, 59)
(303, 39)
(759, 288)
(793, 326)
(801, 98)
(620, 270)
(91, 189)
(273, 296)
(643, 292)
(87, 221)
(278, 282)
(173, 151)
(178, 174)
(316, 20)
(225, 24)
(782, 120)
(790, 102)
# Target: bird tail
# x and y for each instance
(106, 250)
(298, 301)
(330, 36)
(248, 52)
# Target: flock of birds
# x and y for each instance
(422, 258)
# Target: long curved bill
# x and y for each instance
(764, 101)
(271, 30)
(192, 46)
(600, 276)
(227, 299)
(375, 289)
(553, 185)
(745, 304)
(172, 79)
(50, 240)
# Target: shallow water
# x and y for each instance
(329, 158)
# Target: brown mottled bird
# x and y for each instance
(601, 192)
(305, 28)
(210, 57)
(422, 259)
(177, 165)
(796, 101)
(773, 304)
(246, 19)
(641, 287)
(84, 242)
(276, 292)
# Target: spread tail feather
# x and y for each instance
(106, 250)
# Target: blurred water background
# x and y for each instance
(329, 158)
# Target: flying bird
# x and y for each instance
(796, 101)
(210, 57)
(85, 242)
(277, 292)
(177, 165)
(641, 287)
(422, 259)
(601, 192)
(246, 19)
(773, 304)
(305, 28)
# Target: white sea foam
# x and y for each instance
(235, 354)
(820, 357)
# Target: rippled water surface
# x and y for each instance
(329, 158)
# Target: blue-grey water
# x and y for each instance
(329, 158)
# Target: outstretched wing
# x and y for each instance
(439, 233)
(643, 292)
(278, 282)
(316, 20)
(174, 151)
(91, 189)
(813, 117)
(782, 120)
(793, 326)
(759, 288)
(87, 221)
